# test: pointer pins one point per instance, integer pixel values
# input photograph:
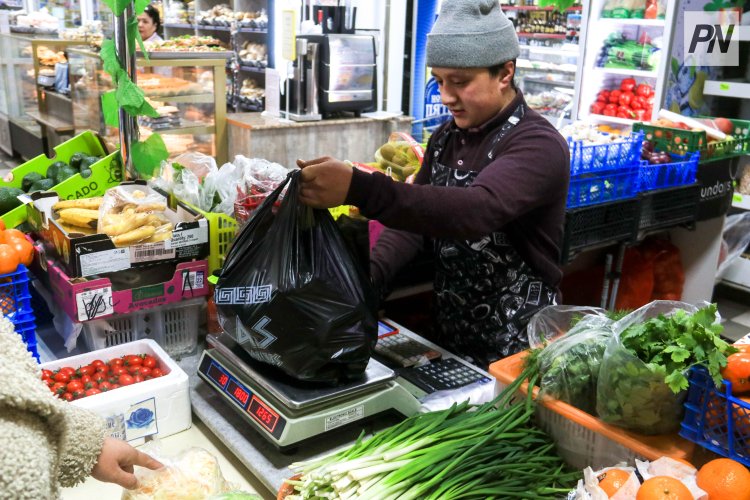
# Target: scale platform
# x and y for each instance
(287, 412)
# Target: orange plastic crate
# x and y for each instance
(584, 440)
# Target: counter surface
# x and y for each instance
(259, 121)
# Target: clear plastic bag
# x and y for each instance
(193, 474)
(400, 157)
(569, 366)
(555, 321)
(736, 238)
(632, 395)
(131, 214)
(220, 189)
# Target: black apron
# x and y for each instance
(485, 293)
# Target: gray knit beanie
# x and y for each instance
(471, 34)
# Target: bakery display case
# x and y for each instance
(37, 109)
(186, 89)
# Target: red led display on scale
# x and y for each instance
(238, 392)
(217, 375)
(263, 414)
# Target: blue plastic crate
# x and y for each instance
(589, 158)
(716, 420)
(28, 334)
(679, 173)
(602, 187)
(15, 303)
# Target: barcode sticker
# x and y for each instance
(150, 251)
(193, 280)
(187, 237)
(106, 261)
(94, 303)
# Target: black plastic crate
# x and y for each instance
(669, 207)
(599, 225)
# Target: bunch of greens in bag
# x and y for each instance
(644, 374)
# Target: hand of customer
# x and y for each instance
(324, 182)
(116, 461)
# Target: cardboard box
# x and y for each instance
(84, 300)
(157, 407)
(87, 255)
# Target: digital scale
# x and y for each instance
(287, 415)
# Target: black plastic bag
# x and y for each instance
(292, 296)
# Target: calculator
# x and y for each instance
(441, 375)
(404, 350)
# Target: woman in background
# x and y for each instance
(149, 23)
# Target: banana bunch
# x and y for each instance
(126, 223)
(399, 158)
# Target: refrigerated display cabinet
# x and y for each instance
(187, 89)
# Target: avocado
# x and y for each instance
(86, 162)
(75, 160)
(30, 179)
(64, 174)
(85, 172)
(54, 169)
(42, 185)
(8, 200)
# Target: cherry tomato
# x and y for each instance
(61, 377)
(49, 382)
(58, 388)
(132, 360)
(105, 386)
(102, 369)
(138, 378)
(78, 394)
(150, 361)
(115, 386)
(156, 373)
(86, 379)
(115, 362)
(145, 371)
(74, 385)
(134, 369)
(67, 396)
(85, 370)
(91, 392)
(119, 370)
(98, 377)
(47, 374)
(68, 370)
(125, 379)
(97, 362)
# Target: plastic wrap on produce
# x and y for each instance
(736, 238)
(555, 321)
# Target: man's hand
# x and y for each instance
(324, 182)
(116, 461)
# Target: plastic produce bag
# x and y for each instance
(736, 238)
(400, 157)
(132, 214)
(555, 321)
(629, 393)
(293, 297)
(569, 366)
(193, 474)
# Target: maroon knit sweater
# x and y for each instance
(522, 192)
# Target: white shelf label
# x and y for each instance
(93, 304)
(187, 237)
(106, 261)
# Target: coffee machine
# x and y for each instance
(304, 85)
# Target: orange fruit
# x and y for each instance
(14, 233)
(9, 259)
(663, 488)
(724, 479)
(23, 248)
(612, 480)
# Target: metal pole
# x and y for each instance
(128, 124)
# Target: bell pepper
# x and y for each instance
(597, 107)
(627, 84)
(614, 96)
(640, 114)
(626, 98)
(644, 90)
(603, 96)
(610, 109)
(625, 111)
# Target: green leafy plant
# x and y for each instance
(127, 95)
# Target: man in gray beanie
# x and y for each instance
(489, 199)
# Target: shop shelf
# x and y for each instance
(599, 225)
(630, 21)
(671, 207)
(174, 327)
(589, 158)
(715, 419)
(628, 72)
(666, 175)
(583, 440)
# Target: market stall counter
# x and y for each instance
(282, 141)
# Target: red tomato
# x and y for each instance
(125, 379)
(132, 360)
(67, 396)
(115, 362)
(138, 378)
(102, 369)
(156, 373)
(49, 382)
(78, 394)
(115, 386)
(97, 362)
(105, 386)
(46, 374)
(91, 392)
(119, 370)
(85, 370)
(68, 370)
(145, 371)
(61, 377)
(58, 388)
(150, 361)
(134, 369)
(98, 377)
(74, 385)
(86, 379)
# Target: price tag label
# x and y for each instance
(724, 87)
(106, 261)
(93, 304)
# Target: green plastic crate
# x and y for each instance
(221, 232)
(105, 173)
(681, 142)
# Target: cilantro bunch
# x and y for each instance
(671, 345)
